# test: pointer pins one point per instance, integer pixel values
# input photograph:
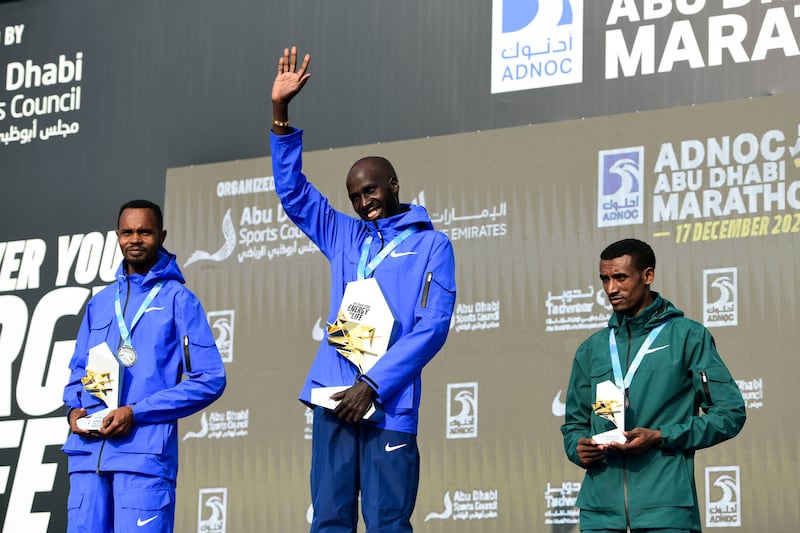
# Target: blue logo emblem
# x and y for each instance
(619, 187)
(518, 14)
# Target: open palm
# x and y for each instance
(290, 79)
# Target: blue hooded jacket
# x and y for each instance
(417, 280)
(152, 386)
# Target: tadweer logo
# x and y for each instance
(229, 232)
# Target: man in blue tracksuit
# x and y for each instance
(122, 475)
(414, 267)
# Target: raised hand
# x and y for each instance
(290, 79)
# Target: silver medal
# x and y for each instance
(127, 355)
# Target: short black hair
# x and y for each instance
(641, 253)
(143, 204)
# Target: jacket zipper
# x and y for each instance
(119, 344)
(624, 462)
(428, 278)
(378, 231)
(706, 391)
(186, 353)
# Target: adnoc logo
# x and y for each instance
(720, 297)
(536, 43)
(620, 187)
(212, 510)
(462, 410)
(723, 496)
(222, 323)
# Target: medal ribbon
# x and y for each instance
(123, 328)
(365, 269)
(625, 383)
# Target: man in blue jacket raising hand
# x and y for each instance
(394, 244)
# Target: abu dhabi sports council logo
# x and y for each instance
(462, 410)
(720, 297)
(536, 43)
(752, 392)
(229, 232)
(475, 504)
(723, 496)
(222, 323)
(221, 425)
(620, 187)
(212, 510)
(265, 233)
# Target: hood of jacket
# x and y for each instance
(410, 215)
(166, 268)
(651, 316)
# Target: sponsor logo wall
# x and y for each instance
(528, 295)
(715, 188)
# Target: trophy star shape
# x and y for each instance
(609, 404)
(608, 409)
(352, 339)
(103, 380)
(97, 383)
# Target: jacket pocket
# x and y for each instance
(99, 332)
(661, 481)
(595, 494)
(402, 402)
(74, 500)
(712, 381)
(146, 500)
(147, 438)
(77, 445)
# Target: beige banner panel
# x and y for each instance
(715, 189)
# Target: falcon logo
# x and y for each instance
(517, 14)
(212, 510)
(723, 496)
(462, 410)
(222, 323)
(536, 43)
(229, 232)
(720, 297)
(620, 184)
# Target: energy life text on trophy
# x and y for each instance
(610, 405)
(103, 380)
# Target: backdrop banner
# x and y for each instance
(715, 189)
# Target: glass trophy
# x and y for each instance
(103, 380)
(610, 405)
(362, 332)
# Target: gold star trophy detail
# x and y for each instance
(608, 409)
(103, 380)
(610, 404)
(352, 340)
(98, 383)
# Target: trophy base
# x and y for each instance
(321, 396)
(615, 435)
(94, 421)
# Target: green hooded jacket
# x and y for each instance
(680, 374)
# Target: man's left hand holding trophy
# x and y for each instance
(103, 380)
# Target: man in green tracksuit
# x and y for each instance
(667, 369)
